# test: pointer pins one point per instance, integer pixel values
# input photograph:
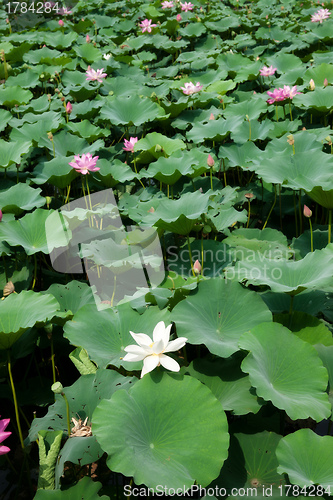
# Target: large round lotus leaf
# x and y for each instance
(319, 99)
(72, 296)
(306, 327)
(83, 397)
(59, 39)
(319, 73)
(323, 197)
(252, 462)
(155, 145)
(57, 172)
(227, 382)
(85, 489)
(178, 216)
(88, 52)
(18, 312)
(286, 371)
(302, 244)
(66, 143)
(15, 95)
(11, 152)
(326, 355)
(104, 334)
(240, 156)
(251, 131)
(87, 130)
(314, 271)
(20, 197)
(252, 109)
(130, 111)
(5, 117)
(306, 458)
(225, 216)
(29, 232)
(212, 315)
(269, 242)
(34, 131)
(214, 130)
(149, 431)
(168, 170)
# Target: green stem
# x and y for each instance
(14, 398)
(300, 212)
(311, 235)
(295, 210)
(271, 210)
(52, 361)
(329, 225)
(35, 273)
(190, 253)
(67, 414)
(291, 310)
(211, 178)
(249, 214)
(291, 116)
(276, 113)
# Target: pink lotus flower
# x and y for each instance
(179, 17)
(212, 117)
(289, 93)
(95, 75)
(267, 71)
(64, 11)
(61, 22)
(167, 5)
(276, 95)
(146, 25)
(4, 435)
(88, 39)
(85, 164)
(186, 6)
(69, 108)
(190, 88)
(320, 15)
(129, 145)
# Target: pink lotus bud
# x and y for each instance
(312, 84)
(151, 210)
(325, 82)
(179, 17)
(61, 22)
(69, 108)
(87, 38)
(0, 214)
(212, 117)
(210, 161)
(307, 212)
(197, 267)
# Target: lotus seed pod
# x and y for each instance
(57, 388)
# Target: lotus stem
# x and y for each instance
(211, 178)
(311, 235)
(190, 253)
(52, 361)
(114, 290)
(329, 225)
(224, 174)
(291, 116)
(202, 254)
(295, 210)
(68, 191)
(35, 273)
(249, 214)
(300, 212)
(87, 183)
(271, 210)
(67, 414)
(291, 310)
(14, 398)
(276, 113)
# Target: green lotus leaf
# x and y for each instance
(66, 143)
(252, 108)
(87, 130)
(121, 86)
(72, 296)
(192, 30)
(29, 232)
(83, 397)
(10, 96)
(58, 39)
(115, 172)
(287, 371)
(168, 170)
(5, 117)
(319, 73)
(252, 462)
(20, 197)
(28, 79)
(11, 152)
(20, 311)
(221, 87)
(217, 320)
(269, 242)
(214, 129)
(314, 271)
(227, 382)
(320, 99)
(31, 131)
(148, 431)
(130, 110)
(88, 52)
(306, 327)
(178, 216)
(302, 244)
(85, 489)
(225, 216)
(57, 172)
(240, 156)
(154, 145)
(323, 197)
(252, 131)
(41, 55)
(113, 329)
(306, 458)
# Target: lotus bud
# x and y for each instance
(210, 161)
(69, 108)
(197, 267)
(48, 330)
(325, 82)
(62, 99)
(290, 139)
(61, 22)
(49, 97)
(48, 200)
(151, 210)
(50, 136)
(307, 212)
(158, 148)
(329, 140)
(87, 38)
(0, 215)
(179, 17)
(57, 388)
(212, 117)
(249, 196)
(312, 84)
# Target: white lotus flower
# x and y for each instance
(152, 352)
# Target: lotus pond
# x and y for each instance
(166, 196)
